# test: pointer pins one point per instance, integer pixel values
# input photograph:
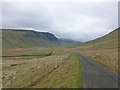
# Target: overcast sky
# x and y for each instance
(81, 21)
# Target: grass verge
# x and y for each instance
(68, 75)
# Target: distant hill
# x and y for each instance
(27, 38)
(68, 41)
(12, 38)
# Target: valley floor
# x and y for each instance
(57, 67)
(55, 71)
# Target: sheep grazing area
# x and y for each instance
(54, 71)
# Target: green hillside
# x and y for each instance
(27, 38)
(103, 50)
(109, 41)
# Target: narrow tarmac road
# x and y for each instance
(96, 75)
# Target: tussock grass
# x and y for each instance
(27, 71)
(68, 75)
(60, 71)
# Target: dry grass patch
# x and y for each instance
(108, 58)
(68, 75)
(23, 51)
(27, 72)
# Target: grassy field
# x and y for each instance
(58, 70)
(68, 75)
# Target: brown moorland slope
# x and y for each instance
(103, 50)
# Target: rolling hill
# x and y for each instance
(108, 41)
(103, 50)
(12, 38)
(27, 38)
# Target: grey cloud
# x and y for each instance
(78, 21)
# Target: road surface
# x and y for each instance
(96, 75)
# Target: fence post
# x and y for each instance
(11, 81)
